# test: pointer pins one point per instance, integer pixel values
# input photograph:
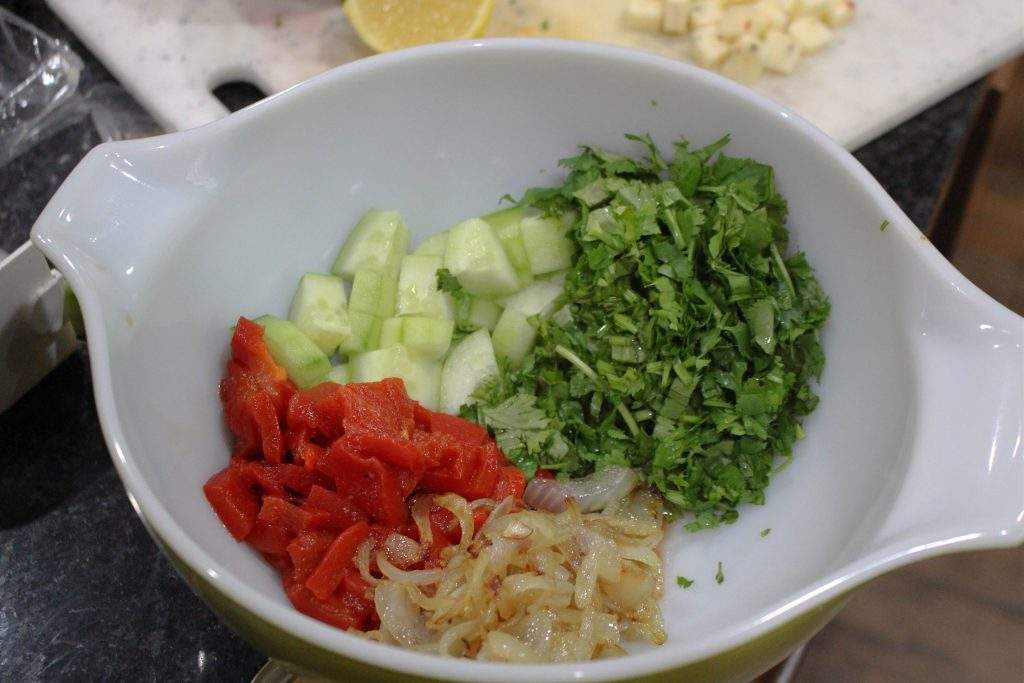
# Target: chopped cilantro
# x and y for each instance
(884, 226)
(545, 25)
(654, 103)
(765, 532)
(688, 339)
(684, 582)
(719, 575)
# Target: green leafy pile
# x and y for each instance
(686, 340)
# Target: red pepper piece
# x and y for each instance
(280, 480)
(371, 483)
(329, 574)
(465, 432)
(270, 539)
(511, 482)
(353, 584)
(342, 510)
(481, 485)
(280, 512)
(318, 413)
(381, 407)
(398, 452)
(234, 501)
(345, 612)
(306, 550)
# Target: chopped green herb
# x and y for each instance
(654, 103)
(686, 340)
(884, 226)
(765, 532)
(719, 575)
(683, 581)
(544, 25)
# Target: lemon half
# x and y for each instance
(393, 24)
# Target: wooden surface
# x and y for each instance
(961, 617)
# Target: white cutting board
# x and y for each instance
(897, 58)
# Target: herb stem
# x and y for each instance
(627, 417)
(781, 265)
(577, 361)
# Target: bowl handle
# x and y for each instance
(116, 216)
(964, 484)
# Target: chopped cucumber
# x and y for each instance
(539, 298)
(483, 313)
(365, 333)
(427, 338)
(318, 310)
(506, 226)
(469, 363)
(373, 293)
(301, 358)
(417, 288)
(547, 247)
(422, 378)
(338, 374)
(378, 241)
(513, 337)
(433, 245)
(475, 256)
(390, 332)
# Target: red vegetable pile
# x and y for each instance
(315, 473)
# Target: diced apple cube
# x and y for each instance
(812, 7)
(839, 13)
(779, 52)
(810, 34)
(707, 48)
(741, 20)
(772, 16)
(676, 16)
(644, 15)
(705, 13)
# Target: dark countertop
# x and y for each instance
(84, 592)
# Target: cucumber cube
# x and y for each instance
(513, 337)
(318, 310)
(427, 338)
(470, 363)
(422, 378)
(390, 332)
(378, 241)
(365, 333)
(338, 374)
(483, 313)
(547, 247)
(433, 245)
(417, 288)
(373, 293)
(475, 256)
(537, 299)
(506, 226)
(301, 358)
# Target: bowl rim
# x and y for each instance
(160, 522)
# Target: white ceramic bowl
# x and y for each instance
(915, 450)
